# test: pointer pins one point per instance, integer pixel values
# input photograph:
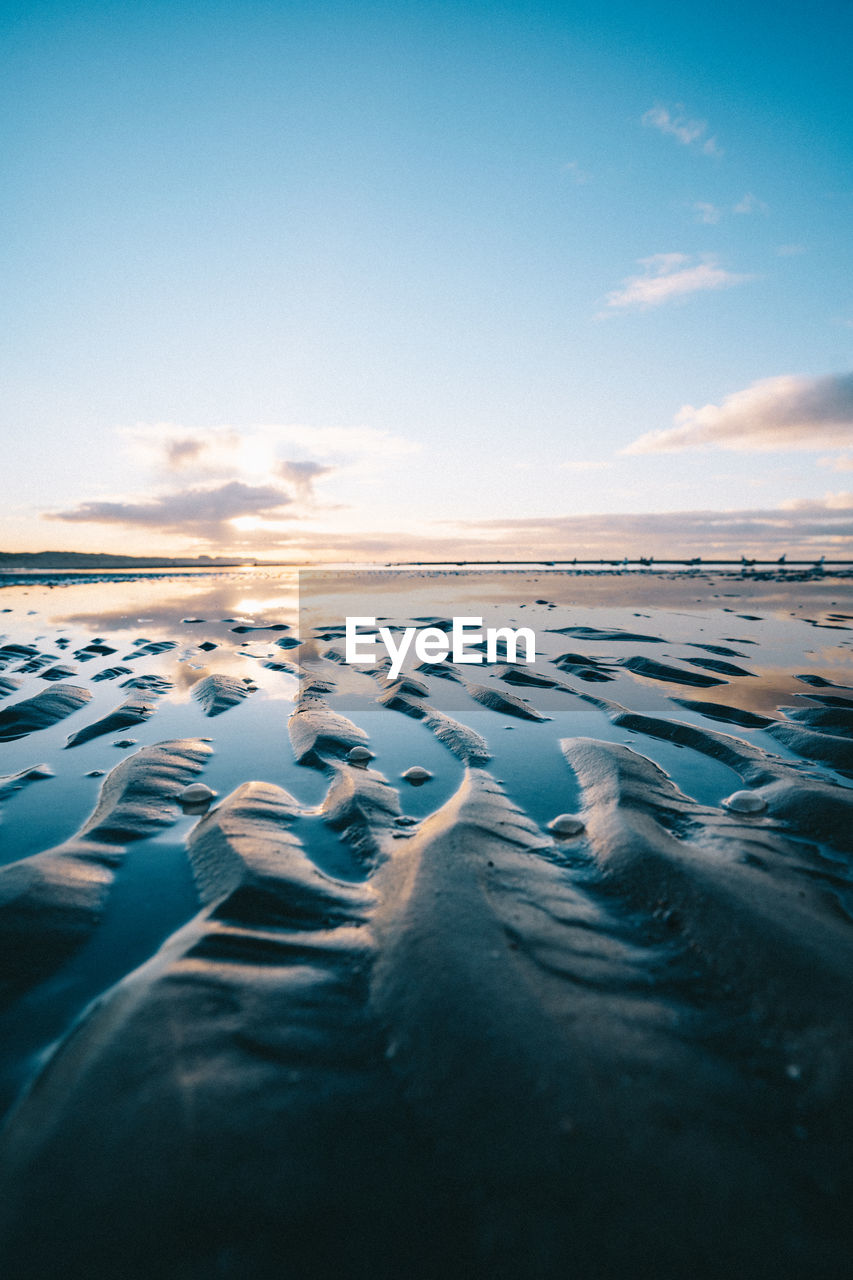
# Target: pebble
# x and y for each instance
(565, 825)
(197, 793)
(359, 755)
(417, 775)
(745, 802)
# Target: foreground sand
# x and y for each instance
(339, 1025)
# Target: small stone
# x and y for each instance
(565, 825)
(745, 802)
(417, 775)
(359, 755)
(197, 793)
(96, 773)
(125, 742)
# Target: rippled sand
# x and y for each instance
(339, 1024)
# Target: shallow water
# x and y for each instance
(774, 629)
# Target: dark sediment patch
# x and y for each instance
(828, 699)
(729, 715)
(16, 653)
(465, 743)
(51, 902)
(722, 668)
(592, 670)
(17, 781)
(244, 628)
(57, 673)
(505, 703)
(97, 649)
(42, 711)
(670, 675)
(524, 676)
(133, 712)
(823, 748)
(217, 693)
(110, 673)
(150, 649)
(611, 633)
(721, 650)
(835, 717)
(150, 683)
(820, 682)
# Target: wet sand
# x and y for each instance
(341, 1022)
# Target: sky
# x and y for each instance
(315, 281)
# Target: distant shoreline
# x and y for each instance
(95, 562)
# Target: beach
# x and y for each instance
(573, 998)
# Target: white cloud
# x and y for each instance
(671, 275)
(706, 213)
(790, 250)
(788, 412)
(710, 214)
(749, 204)
(576, 173)
(838, 462)
(799, 529)
(198, 512)
(690, 133)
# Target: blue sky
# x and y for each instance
(289, 279)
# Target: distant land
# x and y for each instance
(99, 560)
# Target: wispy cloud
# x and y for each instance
(750, 204)
(788, 412)
(197, 512)
(808, 528)
(217, 484)
(576, 173)
(837, 462)
(790, 250)
(256, 451)
(302, 475)
(709, 214)
(667, 276)
(689, 132)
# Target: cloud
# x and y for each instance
(255, 452)
(197, 512)
(807, 527)
(803, 530)
(790, 250)
(671, 275)
(576, 173)
(690, 133)
(711, 214)
(706, 213)
(788, 412)
(302, 476)
(750, 204)
(838, 462)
